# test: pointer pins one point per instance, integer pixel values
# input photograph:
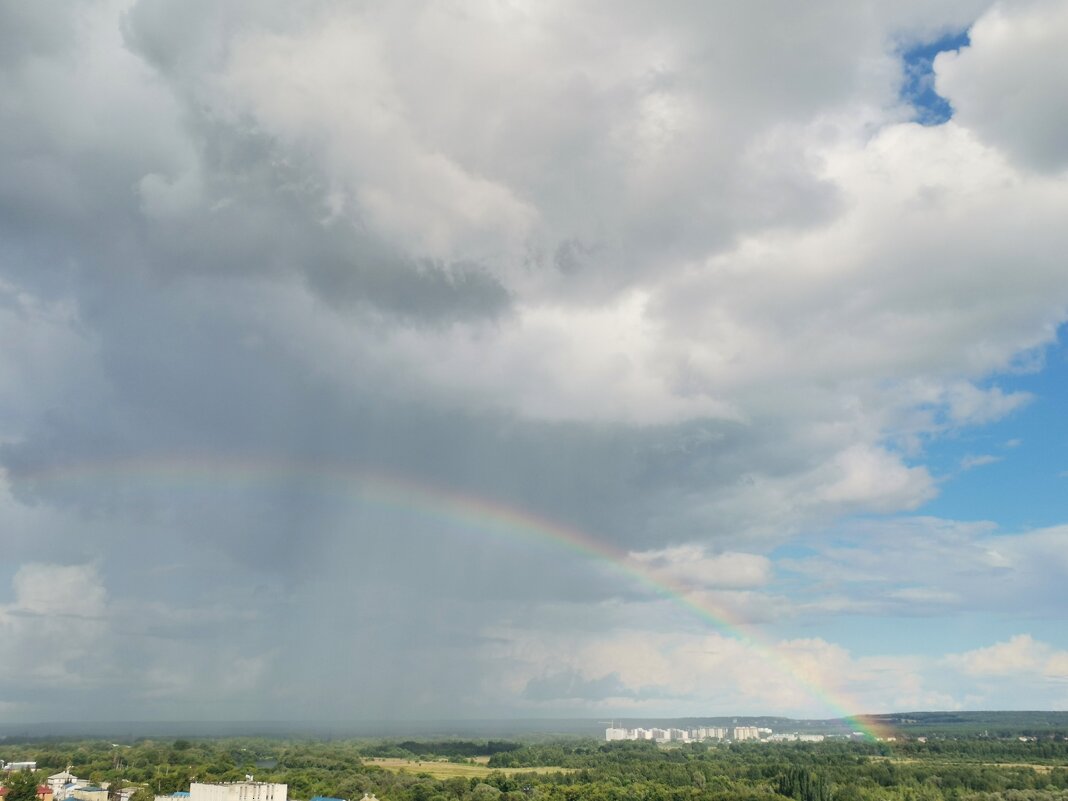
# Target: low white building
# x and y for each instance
(57, 781)
(64, 784)
(239, 791)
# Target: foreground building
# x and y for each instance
(239, 791)
(63, 783)
(89, 792)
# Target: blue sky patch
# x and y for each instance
(918, 87)
(1014, 471)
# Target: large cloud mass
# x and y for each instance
(684, 277)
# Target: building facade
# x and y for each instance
(239, 791)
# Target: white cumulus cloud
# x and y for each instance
(1009, 85)
(1020, 657)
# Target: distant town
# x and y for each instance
(737, 734)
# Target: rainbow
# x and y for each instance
(482, 514)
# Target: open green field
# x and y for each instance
(446, 770)
(966, 763)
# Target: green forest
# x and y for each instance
(974, 766)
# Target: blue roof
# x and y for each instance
(326, 798)
(180, 794)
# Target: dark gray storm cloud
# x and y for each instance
(570, 685)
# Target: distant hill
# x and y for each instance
(993, 724)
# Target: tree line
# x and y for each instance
(968, 769)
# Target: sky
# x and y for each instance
(426, 360)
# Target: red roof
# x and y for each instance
(42, 789)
